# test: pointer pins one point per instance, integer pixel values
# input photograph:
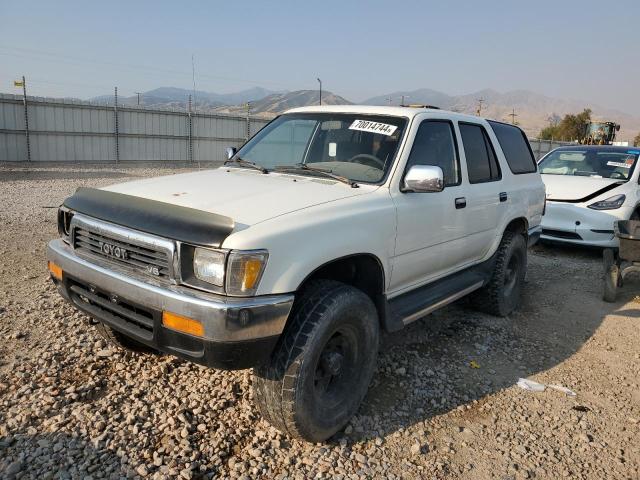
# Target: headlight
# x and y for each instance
(610, 203)
(244, 270)
(208, 266)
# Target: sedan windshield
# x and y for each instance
(358, 147)
(615, 164)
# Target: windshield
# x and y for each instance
(358, 147)
(615, 164)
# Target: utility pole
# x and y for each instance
(248, 120)
(190, 125)
(402, 99)
(389, 100)
(193, 76)
(513, 116)
(320, 82)
(116, 131)
(23, 84)
(479, 110)
(138, 94)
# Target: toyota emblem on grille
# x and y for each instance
(113, 251)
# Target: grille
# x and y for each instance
(144, 258)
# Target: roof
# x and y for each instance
(408, 112)
(609, 148)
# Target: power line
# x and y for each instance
(81, 60)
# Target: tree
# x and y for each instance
(571, 127)
(636, 141)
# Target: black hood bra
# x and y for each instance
(151, 216)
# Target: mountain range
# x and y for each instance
(172, 97)
(532, 110)
(528, 109)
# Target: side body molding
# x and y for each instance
(159, 218)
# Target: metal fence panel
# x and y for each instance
(542, 147)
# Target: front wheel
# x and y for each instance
(323, 364)
(501, 295)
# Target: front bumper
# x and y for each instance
(238, 332)
(577, 224)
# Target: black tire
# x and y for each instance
(321, 369)
(501, 295)
(122, 342)
(611, 276)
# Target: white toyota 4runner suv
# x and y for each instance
(330, 224)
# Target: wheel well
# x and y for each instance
(363, 271)
(518, 225)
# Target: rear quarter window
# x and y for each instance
(515, 146)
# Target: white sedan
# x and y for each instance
(588, 188)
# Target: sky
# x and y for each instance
(586, 50)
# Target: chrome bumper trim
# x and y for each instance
(219, 314)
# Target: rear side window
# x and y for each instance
(515, 146)
(482, 164)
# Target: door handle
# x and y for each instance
(461, 202)
(503, 196)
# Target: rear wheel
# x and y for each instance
(501, 295)
(322, 367)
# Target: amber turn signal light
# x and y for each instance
(55, 270)
(182, 324)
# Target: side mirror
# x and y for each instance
(231, 151)
(423, 178)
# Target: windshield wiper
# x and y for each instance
(326, 173)
(247, 163)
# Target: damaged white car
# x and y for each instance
(588, 188)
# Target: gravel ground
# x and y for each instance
(443, 402)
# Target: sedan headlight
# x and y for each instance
(244, 271)
(610, 203)
(208, 266)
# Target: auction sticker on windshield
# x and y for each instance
(373, 127)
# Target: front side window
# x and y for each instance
(482, 164)
(359, 147)
(600, 163)
(434, 144)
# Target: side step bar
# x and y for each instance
(413, 305)
(445, 301)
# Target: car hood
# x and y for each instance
(572, 188)
(247, 196)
